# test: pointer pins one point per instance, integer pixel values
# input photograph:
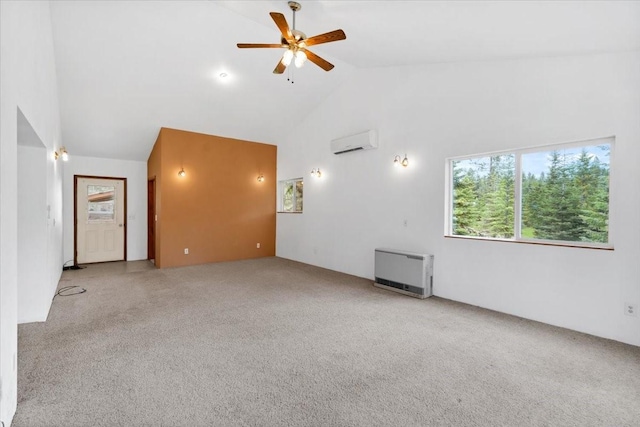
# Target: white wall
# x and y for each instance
(437, 111)
(28, 82)
(136, 174)
(35, 292)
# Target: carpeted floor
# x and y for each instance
(272, 342)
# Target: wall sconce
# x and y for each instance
(260, 178)
(182, 173)
(404, 162)
(63, 153)
(316, 173)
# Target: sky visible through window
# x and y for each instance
(540, 162)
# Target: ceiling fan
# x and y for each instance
(296, 42)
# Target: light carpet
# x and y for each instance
(272, 342)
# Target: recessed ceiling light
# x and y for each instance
(224, 75)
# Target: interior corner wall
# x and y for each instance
(35, 293)
(136, 174)
(438, 111)
(27, 82)
(218, 211)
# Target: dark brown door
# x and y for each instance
(151, 219)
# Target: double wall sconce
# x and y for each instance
(316, 173)
(260, 178)
(401, 162)
(182, 173)
(63, 154)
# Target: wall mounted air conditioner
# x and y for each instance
(362, 141)
(409, 273)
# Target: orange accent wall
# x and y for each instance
(218, 210)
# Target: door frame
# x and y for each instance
(151, 218)
(75, 214)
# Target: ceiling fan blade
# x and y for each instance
(254, 45)
(322, 63)
(331, 36)
(279, 68)
(281, 22)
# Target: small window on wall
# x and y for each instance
(291, 195)
(556, 194)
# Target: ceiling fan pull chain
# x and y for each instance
(290, 72)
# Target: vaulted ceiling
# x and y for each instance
(127, 68)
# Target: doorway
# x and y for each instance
(151, 220)
(100, 209)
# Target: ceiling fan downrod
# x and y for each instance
(295, 6)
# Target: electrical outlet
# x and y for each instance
(186, 251)
(257, 245)
(630, 309)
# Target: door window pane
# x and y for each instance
(101, 203)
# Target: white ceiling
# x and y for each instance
(127, 68)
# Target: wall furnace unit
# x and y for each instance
(409, 273)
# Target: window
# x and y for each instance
(557, 194)
(291, 195)
(101, 203)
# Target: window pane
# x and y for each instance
(565, 194)
(101, 203)
(287, 196)
(483, 196)
(299, 196)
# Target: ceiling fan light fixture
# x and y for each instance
(287, 57)
(301, 57)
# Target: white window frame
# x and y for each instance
(448, 232)
(281, 186)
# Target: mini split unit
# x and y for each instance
(362, 141)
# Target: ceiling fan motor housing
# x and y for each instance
(298, 35)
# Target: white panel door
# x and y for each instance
(100, 217)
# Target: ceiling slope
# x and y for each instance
(127, 68)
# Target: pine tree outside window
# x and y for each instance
(555, 194)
